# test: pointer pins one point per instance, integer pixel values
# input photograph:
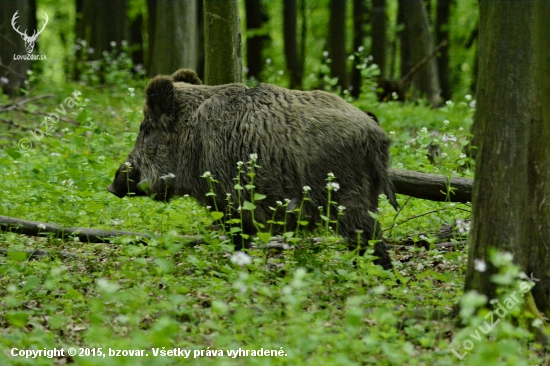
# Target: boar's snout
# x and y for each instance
(125, 182)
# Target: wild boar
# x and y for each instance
(299, 137)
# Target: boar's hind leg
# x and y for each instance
(359, 219)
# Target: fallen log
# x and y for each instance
(431, 187)
(35, 228)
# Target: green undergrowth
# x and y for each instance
(318, 304)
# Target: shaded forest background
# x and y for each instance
(303, 44)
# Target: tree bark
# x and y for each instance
(405, 60)
(539, 159)
(35, 228)
(290, 35)
(378, 34)
(222, 42)
(255, 18)
(419, 38)
(200, 22)
(442, 34)
(511, 209)
(105, 22)
(151, 28)
(358, 38)
(136, 40)
(431, 187)
(175, 38)
(337, 42)
(14, 72)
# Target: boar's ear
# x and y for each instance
(159, 95)
(186, 76)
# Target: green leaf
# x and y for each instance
(238, 187)
(259, 196)
(18, 318)
(32, 282)
(249, 206)
(264, 237)
(216, 215)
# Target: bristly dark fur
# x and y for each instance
(299, 138)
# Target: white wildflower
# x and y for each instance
(169, 175)
(333, 186)
(325, 54)
(307, 188)
(206, 174)
(42, 226)
(480, 265)
(241, 259)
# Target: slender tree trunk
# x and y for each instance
(176, 37)
(511, 209)
(200, 22)
(358, 38)
(405, 60)
(337, 42)
(539, 160)
(136, 40)
(151, 27)
(255, 18)
(442, 34)
(378, 33)
(13, 73)
(290, 34)
(222, 42)
(106, 23)
(419, 38)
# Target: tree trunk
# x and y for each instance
(255, 18)
(337, 42)
(511, 209)
(151, 27)
(358, 38)
(290, 34)
(222, 42)
(378, 34)
(405, 60)
(176, 38)
(200, 22)
(420, 41)
(442, 34)
(136, 40)
(105, 22)
(13, 73)
(539, 158)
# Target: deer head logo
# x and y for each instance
(29, 40)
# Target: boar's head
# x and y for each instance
(151, 167)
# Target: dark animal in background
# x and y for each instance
(299, 137)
